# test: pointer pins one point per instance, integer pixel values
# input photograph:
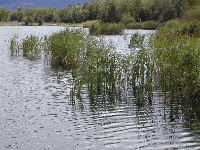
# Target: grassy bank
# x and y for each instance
(83, 24)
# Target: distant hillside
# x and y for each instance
(13, 4)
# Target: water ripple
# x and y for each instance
(37, 112)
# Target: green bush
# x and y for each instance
(192, 14)
(127, 19)
(179, 27)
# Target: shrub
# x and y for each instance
(179, 27)
(127, 19)
(192, 14)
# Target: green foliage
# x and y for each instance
(65, 48)
(137, 41)
(177, 60)
(143, 25)
(14, 45)
(89, 23)
(126, 19)
(180, 28)
(150, 24)
(136, 25)
(31, 46)
(74, 14)
(106, 29)
(110, 11)
(94, 64)
(4, 14)
(192, 14)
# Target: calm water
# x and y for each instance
(36, 111)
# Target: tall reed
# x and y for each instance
(14, 45)
(101, 28)
(65, 48)
(96, 65)
(31, 46)
(176, 55)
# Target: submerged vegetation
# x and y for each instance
(177, 54)
(96, 65)
(170, 63)
(30, 47)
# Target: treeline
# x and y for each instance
(112, 11)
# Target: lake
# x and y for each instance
(37, 111)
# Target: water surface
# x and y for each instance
(37, 112)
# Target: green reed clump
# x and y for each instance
(97, 70)
(143, 25)
(101, 28)
(14, 45)
(150, 24)
(65, 48)
(136, 25)
(142, 75)
(31, 46)
(95, 65)
(137, 41)
(89, 23)
(127, 18)
(179, 27)
(176, 56)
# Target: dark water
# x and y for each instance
(37, 112)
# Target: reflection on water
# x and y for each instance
(37, 111)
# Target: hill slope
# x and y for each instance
(13, 4)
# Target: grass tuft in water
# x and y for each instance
(14, 46)
(95, 65)
(101, 28)
(176, 55)
(31, 47)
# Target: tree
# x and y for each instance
(20, 14)
(4, 14)
(29, 15)
(169, 13)
(95, 10)
(111, 13)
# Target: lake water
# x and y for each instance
(36, 111)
